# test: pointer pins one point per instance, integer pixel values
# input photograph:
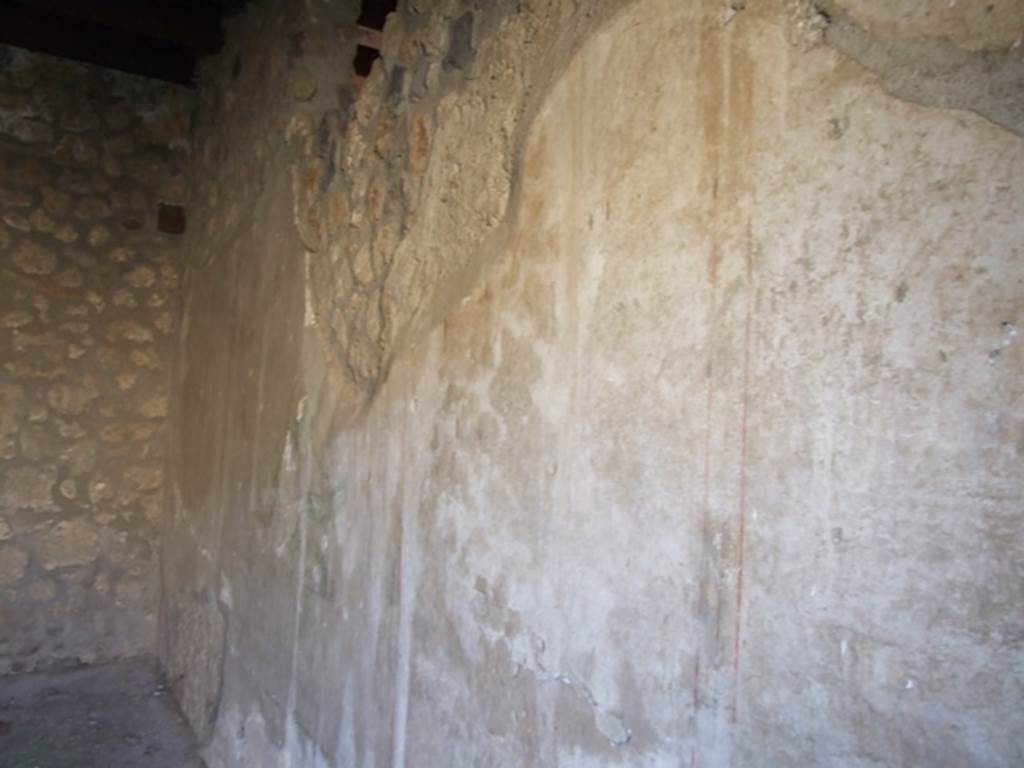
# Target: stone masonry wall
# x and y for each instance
(88, 308)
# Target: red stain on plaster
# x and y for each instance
(705, 522)
(744, 452)
(718, 621)
(696, 677)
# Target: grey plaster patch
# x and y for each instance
(937, 73)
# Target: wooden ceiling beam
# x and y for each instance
(196, 27)
(369, 37)
(94, 44)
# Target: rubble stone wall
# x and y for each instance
(90, 178)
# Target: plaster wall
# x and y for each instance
(692, 435)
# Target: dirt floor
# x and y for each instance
(117, 715)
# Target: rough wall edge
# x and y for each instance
(555, 58)
(546, 73)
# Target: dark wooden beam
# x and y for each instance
(93, 43)
(196, 27)
(373, 13)
(369, 38)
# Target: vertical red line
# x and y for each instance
(705, 522)
(696, 677)
(742, 524)
(709, 76)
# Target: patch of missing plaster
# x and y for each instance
(611, 725)
(936, 73)
(528, 649)
(733, 7)
(323, 507)
(808, 21)
(1009, 336)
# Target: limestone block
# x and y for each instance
(90, 208)
(55, 202)
(80, 457)
(66, 233)
(29, 487)
(68, 488)
(16, 318)
(71, 399)
(37, 443)
(100, 490)
(25, 130)
(141, 277)
(153, 408)
(124, 299)
(146, 358)
(71, 542)
(17, 221)
(79, 117)
(165, 323)
(127, 432)
(41, 221)
(122, 255)
(70, 278)
(42, 591)
(129, 330)
(98, 235)
(15, 198)
(34, 259)
(144, 478)
(12, 405)
(13, 563)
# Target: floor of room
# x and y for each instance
(106, 716)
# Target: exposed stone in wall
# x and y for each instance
(389, 259)
(385, 259)
(575, 394)
(88, 308)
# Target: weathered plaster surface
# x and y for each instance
(990, 25)
(704, 449)
(939, 72)
(88, 307)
